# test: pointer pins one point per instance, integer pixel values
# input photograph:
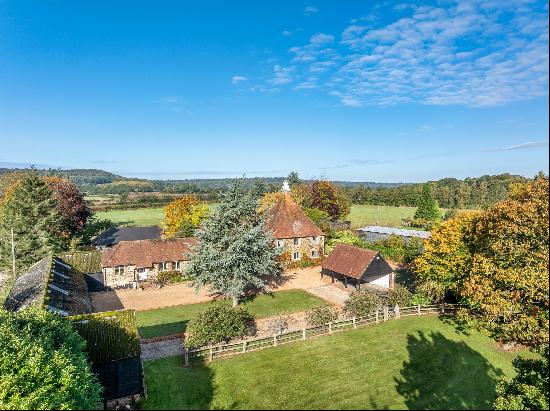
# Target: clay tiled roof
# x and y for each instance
(287, 220)
(349, 260)
(144, 253)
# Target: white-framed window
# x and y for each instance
(315, 240)
(295, 255)
(176, 265)
(119, 270)
(297, 241)
(163, 266)
(280, 243)
(314, 253)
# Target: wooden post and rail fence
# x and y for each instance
(210, 353)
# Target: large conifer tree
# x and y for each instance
(30, 210)
(234, 252)
(428, 209)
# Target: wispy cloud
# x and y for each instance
(281, 75)
(286, 33)
(309, 10)
(174, 103)
(238, 79)
(522, 146)
(480, 53)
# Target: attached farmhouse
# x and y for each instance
(130, 262)
(358, 266)
(293, 230)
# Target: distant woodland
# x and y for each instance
(476, 192)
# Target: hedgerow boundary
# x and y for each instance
(210, 353)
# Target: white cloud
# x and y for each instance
(321, 38)
(480, 53)
(522, 146)
(238, 79)
(286, 33)
(309, 10)
(282, 75)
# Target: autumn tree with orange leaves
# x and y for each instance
(184, 215)
(497, 263)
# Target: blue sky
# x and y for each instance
(348, 90)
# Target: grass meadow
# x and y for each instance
(173, 320)
(359, 216)
(412, 363)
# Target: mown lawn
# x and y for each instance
(412, 363)
(173, 320)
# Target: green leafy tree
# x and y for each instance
(528, 390)
(320, 218)
(218, 323)
(43, 364)
(321, 315)
(428, 209)
(361, 304)
(234, 253)
(400, 296)
(293, 178)
(30, 209)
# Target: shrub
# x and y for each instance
(43, 365)
(400, 296)
(321, 315)
(277, 325)
(344, 237)
(420, 299)
(528, 390)
(361, 304)
(219, 323)
(170, 277)
(432, 290)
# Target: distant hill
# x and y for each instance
(473, 192)
(100, 181)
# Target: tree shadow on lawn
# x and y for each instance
(171, 385)
(446, 374)
(161, 330)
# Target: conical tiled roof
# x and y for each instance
(287, 220)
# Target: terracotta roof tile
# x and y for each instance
(349, 260)
(144, 253)
(287, 220)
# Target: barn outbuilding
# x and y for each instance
(357, 266)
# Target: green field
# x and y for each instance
(360, 215)
(413, 363)
(173, 320)
(135, 217)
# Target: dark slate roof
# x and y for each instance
(29, 287)
(53, 284)
(115, 235)
(66, 291)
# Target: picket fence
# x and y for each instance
(210, 353)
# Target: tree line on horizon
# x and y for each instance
(470, 193)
